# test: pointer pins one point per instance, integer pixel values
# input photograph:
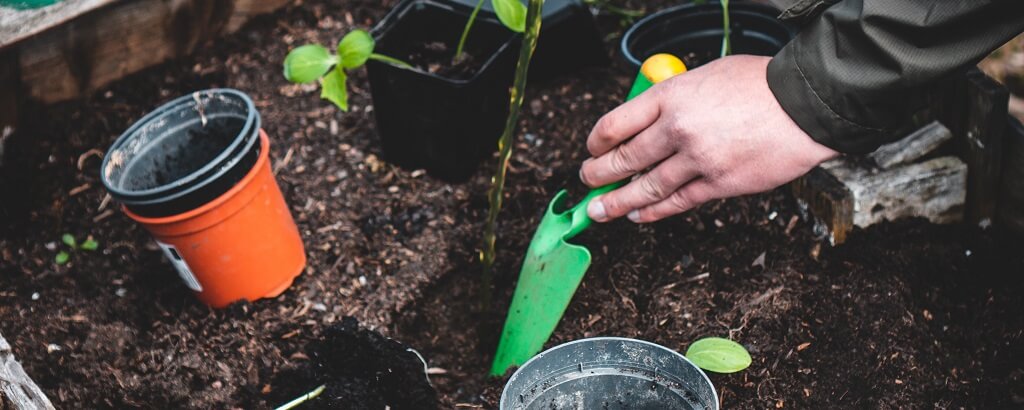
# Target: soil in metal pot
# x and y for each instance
(904, 314)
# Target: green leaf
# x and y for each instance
(61, 258)
(307, 63)
(718, 355)
(512, 14)
(355, 48)
(69, 240)
(90, 244)
(333, 88)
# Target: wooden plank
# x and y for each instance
(17, 25)
(913, 147)
(934, 189)
(983, 132)
(17, 390)
(828, 201)
(94, 49)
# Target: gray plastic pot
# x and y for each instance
(184, 154)
(609, 373)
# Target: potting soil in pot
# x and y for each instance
(176, 158)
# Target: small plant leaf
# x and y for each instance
(69, 240)
(90, 244)
(718, 355)
(333, 88)
(355, 48)
(306, 63)
(512, 14)
(61, 258)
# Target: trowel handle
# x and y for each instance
(655, 69)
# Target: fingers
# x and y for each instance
(623, 123)
(646, 190)
(686, 198)
(626, 159)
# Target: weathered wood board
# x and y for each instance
(970, 115)
(83, 45)
(887, 185)
(17, 390)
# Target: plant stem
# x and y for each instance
(302, 399)
(494, 196)
(726, 30)
(465, 30)
(392, 60)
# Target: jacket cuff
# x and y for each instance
(797, 96)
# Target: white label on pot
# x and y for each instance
(179, 263)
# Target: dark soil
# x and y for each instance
(906, 314)
(360, 369)
(437, 57)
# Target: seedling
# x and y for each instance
(494, 195)
(312, 62)
(63, 256)
(718, 355)
(511, 13)
(726, 30)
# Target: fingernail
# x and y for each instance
(596, 211)
(634, 215)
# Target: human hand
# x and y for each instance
(715, 132)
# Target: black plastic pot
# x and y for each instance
(1011, 202)
(184, 153)
(696, 30)
(444, 125)
(569, 38)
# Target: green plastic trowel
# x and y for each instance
(553, 267)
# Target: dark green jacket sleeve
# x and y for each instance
(858, 71)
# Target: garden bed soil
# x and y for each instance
(903, 314)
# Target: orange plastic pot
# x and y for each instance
(244, 244)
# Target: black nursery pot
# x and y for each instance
(444, 125)
(696, 30)
(569, 38)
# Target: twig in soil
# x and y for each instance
(104, 202)
(304, 398)
(698, 278)
(86, 155)
(79, 189)
(426, 369)
(284, 162)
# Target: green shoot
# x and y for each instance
(90, 244)
(312, 62)
(511, 13)
(726, 30)
(718, 355)
(69, 240)
(302, 399)
(494, 195)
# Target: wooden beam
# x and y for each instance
(983, 131)
(93, 49)
(17, 25)
(913, 147)
(17, 390)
